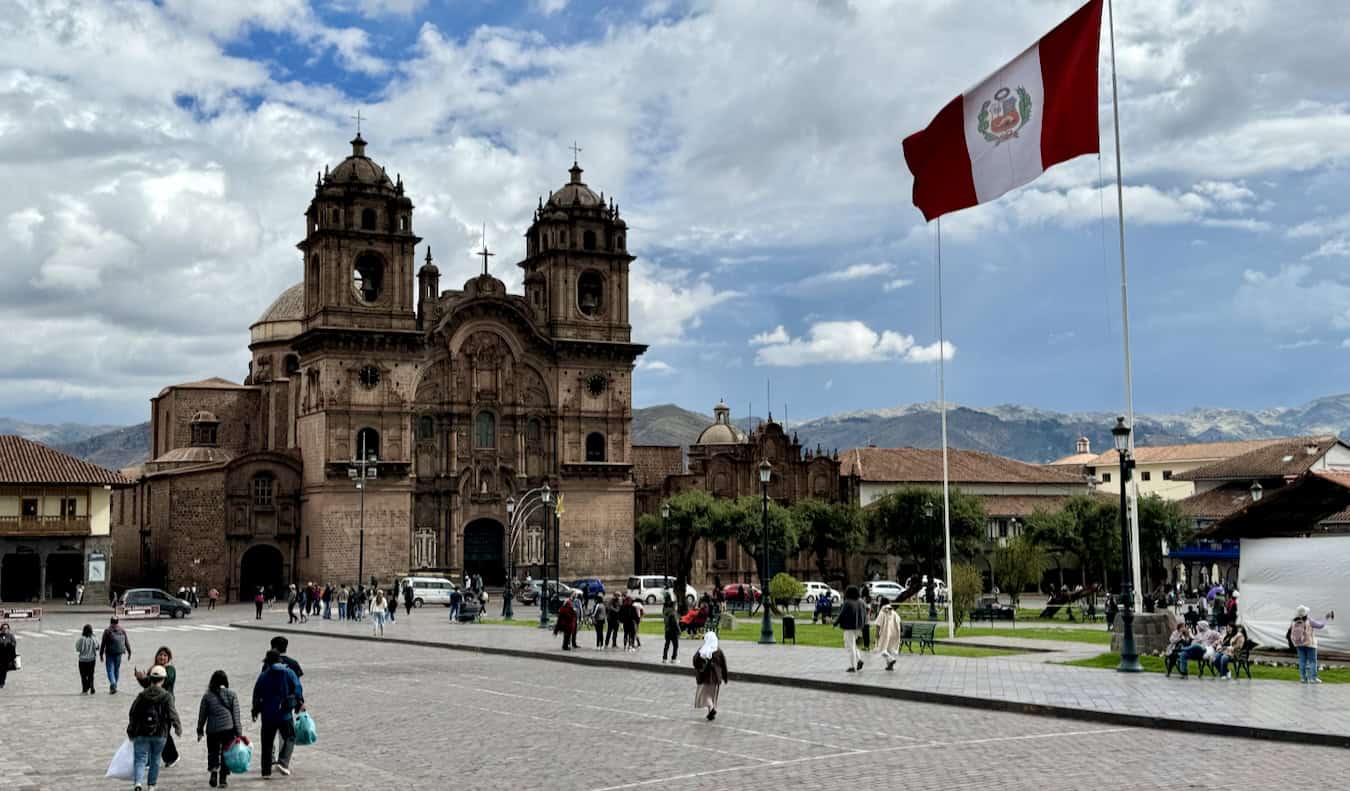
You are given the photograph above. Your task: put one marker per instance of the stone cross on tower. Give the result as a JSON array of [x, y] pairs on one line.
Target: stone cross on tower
[[576, 150], [484, 252], [358, 119]]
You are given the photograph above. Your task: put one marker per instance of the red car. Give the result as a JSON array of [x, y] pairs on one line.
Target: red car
[[732, 592]]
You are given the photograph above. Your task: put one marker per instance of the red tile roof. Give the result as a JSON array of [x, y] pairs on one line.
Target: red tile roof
[[1286, 458], [1217, 503], [25, 461], [924, 465], [1196, 451]]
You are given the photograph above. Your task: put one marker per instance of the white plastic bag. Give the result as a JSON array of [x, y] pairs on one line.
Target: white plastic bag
[[123, 763]]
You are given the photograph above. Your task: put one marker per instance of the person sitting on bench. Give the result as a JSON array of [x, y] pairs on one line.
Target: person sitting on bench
[[1176, 643]]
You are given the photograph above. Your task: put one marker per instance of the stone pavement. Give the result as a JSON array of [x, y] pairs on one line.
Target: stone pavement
[[1261, 709], [397, 716]]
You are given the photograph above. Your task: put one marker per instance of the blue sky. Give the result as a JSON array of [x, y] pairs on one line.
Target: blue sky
[[167, 150]]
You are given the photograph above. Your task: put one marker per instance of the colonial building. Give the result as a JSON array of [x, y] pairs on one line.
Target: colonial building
[[1157, 467], [724, 462], [457, 400], [54, 523]]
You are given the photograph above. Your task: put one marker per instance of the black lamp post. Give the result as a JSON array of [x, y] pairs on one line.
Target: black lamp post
[[507, 613], [928, 589], [362, 469], [765, 627], [1129, 655], [665, 544], [546, 496]]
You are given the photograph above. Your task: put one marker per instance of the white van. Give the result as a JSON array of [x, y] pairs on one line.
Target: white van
[[817, 590], [651, 589], [429, 590]]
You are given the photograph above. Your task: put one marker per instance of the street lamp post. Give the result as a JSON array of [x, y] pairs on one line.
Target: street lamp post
[[928, 589], [362, 469], [546, 497], [765, 627], [665, 543], [1129, 655], [507, 614]]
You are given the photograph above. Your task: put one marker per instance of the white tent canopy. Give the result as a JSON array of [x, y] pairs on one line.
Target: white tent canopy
[[1278, 574]]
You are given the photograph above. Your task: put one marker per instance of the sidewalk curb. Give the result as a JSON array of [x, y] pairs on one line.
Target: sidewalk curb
[[917, 696]]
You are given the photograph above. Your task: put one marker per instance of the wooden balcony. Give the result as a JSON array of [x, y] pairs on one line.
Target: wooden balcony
[[44, 525]]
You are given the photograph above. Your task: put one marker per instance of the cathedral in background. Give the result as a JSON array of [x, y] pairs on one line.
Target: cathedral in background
[[459, 401]]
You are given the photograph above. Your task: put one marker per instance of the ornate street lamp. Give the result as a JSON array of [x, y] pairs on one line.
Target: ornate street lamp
[[665, 543], [507, 613], [366, 467], [546, 497], [1129, 656], [765, 627], [928, 589]]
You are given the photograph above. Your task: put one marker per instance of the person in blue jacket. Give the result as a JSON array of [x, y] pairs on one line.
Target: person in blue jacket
[[277, 696]]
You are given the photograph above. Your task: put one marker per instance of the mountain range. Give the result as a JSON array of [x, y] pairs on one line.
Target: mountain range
[[1019, 432]]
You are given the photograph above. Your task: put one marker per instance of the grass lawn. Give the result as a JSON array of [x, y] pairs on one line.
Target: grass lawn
[[1154, 664], [747, 629], [1096, 636]]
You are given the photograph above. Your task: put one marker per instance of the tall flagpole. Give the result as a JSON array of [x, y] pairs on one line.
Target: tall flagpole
[[1133, 493], [942, 409]]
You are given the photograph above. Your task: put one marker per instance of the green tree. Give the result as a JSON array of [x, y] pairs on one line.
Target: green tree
[[1160, 521], [742, 519], [694, 516], [966, 584], [823, 526], [1085, 527], [908, 523], [1016, 565], [785, 588]]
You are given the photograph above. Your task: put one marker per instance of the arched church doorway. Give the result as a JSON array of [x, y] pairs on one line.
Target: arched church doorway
[[262, 566], [484, 540]]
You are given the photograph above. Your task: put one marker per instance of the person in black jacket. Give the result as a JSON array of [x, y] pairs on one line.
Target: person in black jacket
[[280, 644], [852, 619]]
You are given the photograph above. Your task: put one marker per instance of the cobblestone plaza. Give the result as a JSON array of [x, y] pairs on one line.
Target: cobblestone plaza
[[405, 716]]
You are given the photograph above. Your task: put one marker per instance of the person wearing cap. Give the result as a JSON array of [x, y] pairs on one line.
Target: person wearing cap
[[151, 716], [114, 645], [277, 695], [1302, 637]]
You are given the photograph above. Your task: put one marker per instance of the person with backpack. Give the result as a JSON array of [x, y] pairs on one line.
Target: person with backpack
[[1301, 635], [597, 618], [164, 659], [218, 720], [114, 645], [87, 649], [151, 716], [277, 697], [671, 624], [852, 619]]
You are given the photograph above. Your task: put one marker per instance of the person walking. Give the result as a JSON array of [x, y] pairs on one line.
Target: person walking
[[456, 601], [391, 602], [87, 649], [852, 619], [888, 633], [597, 617], [408, 597], [378, 607], [280, 645], [277, 696], [164, 659], [566, 624], [149, 721], [612, 621], [9, 651], [710, 673], [1301, 635], [259, 599], [211, 596], [292, 598], [328, 602], [628, 618], [671, 623], [111, 649], [578, 608], [218, 720], [342, 597]]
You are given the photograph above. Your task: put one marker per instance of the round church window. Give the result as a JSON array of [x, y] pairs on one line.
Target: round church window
[[596, 384]]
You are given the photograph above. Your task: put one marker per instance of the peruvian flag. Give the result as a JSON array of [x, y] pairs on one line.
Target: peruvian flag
[[1036, 111]]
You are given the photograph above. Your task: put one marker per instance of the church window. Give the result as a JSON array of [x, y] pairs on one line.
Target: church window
[[426, 427], [590, 293], [368, 276], [368, 442], [367, 219], [369, 376], [720, 550], [292, 365], [534, 430], [595, 446], [485, 430], [588, 240], [403, 222], [262, 490], [203, 434], [596, 384], [618, 242]]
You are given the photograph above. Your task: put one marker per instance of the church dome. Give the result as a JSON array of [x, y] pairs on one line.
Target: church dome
[[575, 193], [359, 169], [193, 455], [721, 432], [289, 306]]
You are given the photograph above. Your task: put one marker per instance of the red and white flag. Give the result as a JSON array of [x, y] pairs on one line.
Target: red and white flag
[[1036, 111]]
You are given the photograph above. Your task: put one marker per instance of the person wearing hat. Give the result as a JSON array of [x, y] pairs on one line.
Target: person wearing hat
[[114, 645], [148, 723], [1301, 636]]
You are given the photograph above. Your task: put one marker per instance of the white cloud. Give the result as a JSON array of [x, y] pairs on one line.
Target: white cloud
[[654, 366], [665, 302], [1303, 344], [829, 383], [846, 342], [898, 283], [1293, 300], [775, 336], [1332, 248], [550, 7]]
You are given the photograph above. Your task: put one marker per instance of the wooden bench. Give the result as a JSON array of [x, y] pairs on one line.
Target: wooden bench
[[923, 632]]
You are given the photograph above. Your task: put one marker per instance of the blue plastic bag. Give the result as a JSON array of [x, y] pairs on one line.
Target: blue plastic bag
[[305, 732], [238, 756]]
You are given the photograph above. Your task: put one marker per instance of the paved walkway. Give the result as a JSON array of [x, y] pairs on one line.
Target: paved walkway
[[1260, 709]]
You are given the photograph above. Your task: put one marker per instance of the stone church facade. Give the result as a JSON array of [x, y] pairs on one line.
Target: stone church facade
[[459, 399]]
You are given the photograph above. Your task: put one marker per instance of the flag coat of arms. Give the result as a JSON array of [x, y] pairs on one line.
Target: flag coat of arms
[[1036, 111]]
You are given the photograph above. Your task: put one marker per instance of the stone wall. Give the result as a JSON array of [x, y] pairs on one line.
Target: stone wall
[[597, 530], [332, 522]]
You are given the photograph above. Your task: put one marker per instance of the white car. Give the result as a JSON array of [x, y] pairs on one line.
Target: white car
[[890, 589], [816, 590], [652, 588]]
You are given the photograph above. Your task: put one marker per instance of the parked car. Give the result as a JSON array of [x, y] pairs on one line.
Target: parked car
[[429, 590], [939, 590], [171, 606], [590, 586], [651, 589], [887, 588], [814, 590], [530, 593], [731, 592]]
